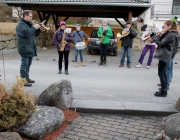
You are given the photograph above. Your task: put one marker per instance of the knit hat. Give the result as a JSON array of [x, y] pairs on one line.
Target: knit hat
[[105, 21], [77, 25], [128, 22], [150, 24], [62, 23]]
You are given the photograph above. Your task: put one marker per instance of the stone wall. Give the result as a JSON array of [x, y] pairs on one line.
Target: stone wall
[[8, 41]]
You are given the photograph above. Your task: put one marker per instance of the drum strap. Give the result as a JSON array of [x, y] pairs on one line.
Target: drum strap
[[79, 35]]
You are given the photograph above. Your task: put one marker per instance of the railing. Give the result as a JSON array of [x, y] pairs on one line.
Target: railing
[[159, 10]]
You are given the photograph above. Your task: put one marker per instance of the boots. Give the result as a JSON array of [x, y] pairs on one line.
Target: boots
[[27, 84], [104, 63], [59, 71], [100, 63], [82, 64], [66, 72], [161, 93], [75, 64]]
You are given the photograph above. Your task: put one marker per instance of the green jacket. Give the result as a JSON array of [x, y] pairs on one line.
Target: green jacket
[[26, 38], [107, 36]]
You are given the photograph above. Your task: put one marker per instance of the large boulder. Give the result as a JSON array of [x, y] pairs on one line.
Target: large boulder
[[58, 94], [171, 125], [10, 136], [178, 104], [12, 44], [42, 122]]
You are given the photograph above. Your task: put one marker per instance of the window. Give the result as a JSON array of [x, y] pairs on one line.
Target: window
[[176, 7]]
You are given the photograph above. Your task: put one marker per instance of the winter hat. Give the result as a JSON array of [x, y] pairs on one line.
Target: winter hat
[[62, 23], [77, 25], [150, 24], [128, 22], [105, 21], [174, 19]]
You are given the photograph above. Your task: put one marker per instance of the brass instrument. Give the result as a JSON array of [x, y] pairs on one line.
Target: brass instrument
[[102, 37], [63, 42], [43, 28], [124, 34]]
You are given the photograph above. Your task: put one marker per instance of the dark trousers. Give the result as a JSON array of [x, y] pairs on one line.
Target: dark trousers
[[66, 59], [162, 74], [25, 67], [103, 51]]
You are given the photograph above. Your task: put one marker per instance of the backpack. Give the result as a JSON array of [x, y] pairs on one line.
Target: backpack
[[176, 45]]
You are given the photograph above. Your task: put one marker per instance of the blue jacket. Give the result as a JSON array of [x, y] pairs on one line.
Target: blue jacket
[[76, 36], [26, 38]]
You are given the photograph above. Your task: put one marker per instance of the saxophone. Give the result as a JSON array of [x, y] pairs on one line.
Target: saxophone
[[63, 43], [102, 37]]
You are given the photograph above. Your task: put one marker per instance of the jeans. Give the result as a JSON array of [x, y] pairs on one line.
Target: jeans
[[125, 49], [76, 54], [169, 72], [66, 59], [25, 67], [146, 48], [162, 74], [103, 51]]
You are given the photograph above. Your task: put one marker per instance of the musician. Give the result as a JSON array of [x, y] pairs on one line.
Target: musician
[[105, 33], [149, 45], [78, 37], [60, 37], [127, 44], [165, 52], [26, 41]]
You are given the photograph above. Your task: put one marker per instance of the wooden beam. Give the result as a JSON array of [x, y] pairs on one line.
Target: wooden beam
[[66, 18], [119, 22], [39, 15], [130, 16]]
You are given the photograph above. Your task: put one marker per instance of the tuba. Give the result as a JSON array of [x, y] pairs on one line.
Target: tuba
[[43, 28]]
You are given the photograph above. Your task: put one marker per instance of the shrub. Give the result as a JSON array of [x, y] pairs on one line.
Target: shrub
[[15, 105]]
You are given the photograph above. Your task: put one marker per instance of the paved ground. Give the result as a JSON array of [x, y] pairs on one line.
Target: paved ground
[[112, 127]]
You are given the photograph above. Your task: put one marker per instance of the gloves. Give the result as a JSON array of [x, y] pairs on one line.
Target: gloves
[[104, 33], [152, 34]]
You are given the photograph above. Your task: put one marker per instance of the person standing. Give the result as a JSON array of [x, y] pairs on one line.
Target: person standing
[[127, 45], [165, 52], [78, 37], [60, 39], [26, 41], [104, 33], [149, 45]]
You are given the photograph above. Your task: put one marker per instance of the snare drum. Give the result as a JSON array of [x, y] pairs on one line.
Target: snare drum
[[80, 45]]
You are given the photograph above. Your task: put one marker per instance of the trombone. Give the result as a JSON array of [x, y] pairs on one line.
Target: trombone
[[43, 28]]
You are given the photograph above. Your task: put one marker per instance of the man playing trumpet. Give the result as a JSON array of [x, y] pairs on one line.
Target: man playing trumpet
[[26, 40], [149, 45]]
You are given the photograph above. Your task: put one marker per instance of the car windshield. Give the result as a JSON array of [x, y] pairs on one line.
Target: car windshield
[[94, 34]]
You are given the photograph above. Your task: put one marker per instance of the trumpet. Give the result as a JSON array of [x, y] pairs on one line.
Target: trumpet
[[43, 28]]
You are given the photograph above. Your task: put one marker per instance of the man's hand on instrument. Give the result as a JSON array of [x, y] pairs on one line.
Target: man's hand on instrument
[[37, 26], [105, 32]]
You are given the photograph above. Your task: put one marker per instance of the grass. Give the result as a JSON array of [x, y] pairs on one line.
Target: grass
[[7, 28]]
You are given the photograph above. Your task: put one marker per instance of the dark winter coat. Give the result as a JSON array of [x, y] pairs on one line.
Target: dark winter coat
[[57, 39], [128, 40], [166, 45], [26, 38]]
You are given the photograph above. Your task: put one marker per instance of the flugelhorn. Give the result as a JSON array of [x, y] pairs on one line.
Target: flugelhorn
[[43, 27]]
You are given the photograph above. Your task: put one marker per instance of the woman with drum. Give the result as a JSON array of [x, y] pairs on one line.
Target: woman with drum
[[78, 38]]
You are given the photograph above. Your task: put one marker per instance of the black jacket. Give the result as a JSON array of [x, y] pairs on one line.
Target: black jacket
[[166, 42], [128, 40]]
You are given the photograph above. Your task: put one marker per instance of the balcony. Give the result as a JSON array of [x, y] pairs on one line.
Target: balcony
[[165, 10]]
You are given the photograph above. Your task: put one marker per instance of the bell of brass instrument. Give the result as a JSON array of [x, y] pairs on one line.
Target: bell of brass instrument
[[43, 28], [124, 34], [102, 37], [63, 42]]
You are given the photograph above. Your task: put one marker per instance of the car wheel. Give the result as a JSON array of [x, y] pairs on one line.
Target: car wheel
[[88, 52]]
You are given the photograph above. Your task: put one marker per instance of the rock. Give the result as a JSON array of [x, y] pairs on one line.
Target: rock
[[161, 136], [42, 122], [178, 104], [9, 136], [171, 126], [6, 37], [58, 94], [11, 45], [2, 45]]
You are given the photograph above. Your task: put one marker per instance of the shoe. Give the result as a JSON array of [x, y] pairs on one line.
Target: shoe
[[161, 88], [129, 67], [104, 63], [60, 71], [121, 65], [161, 94], [27, 84], [148, 67], [82, 64], [100, 63], [30, 81], [75, 64], [66, 72], [139, 66], [159, 85]]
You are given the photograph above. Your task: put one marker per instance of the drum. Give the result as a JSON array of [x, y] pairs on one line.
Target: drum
[[80, 45]]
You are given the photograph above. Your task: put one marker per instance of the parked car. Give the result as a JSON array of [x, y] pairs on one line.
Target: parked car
[[94, 43]]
